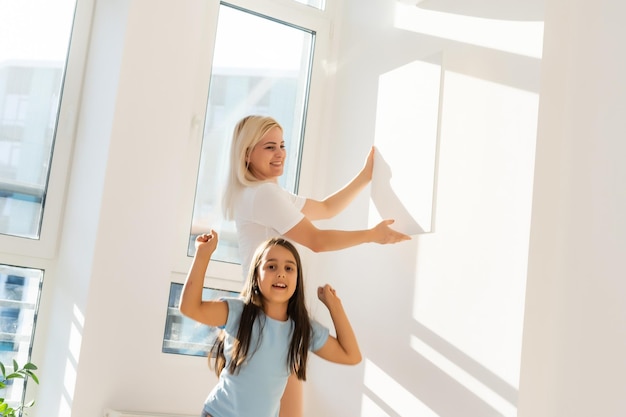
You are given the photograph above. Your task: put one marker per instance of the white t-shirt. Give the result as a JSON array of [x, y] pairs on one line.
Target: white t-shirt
[[262, 212]]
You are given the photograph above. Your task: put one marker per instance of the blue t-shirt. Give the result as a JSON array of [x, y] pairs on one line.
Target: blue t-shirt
[[256, 390]]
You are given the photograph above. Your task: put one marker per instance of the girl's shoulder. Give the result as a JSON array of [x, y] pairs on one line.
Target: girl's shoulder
[[236, 302], [319, 335], [235, 308]]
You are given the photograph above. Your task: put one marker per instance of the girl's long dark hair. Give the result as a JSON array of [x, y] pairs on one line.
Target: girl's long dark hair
[[253, 305]]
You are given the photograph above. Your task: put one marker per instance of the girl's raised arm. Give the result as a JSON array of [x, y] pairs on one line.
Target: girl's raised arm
[[212, 313], [343, 349]]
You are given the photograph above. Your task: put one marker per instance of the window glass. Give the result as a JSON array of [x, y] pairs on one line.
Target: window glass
[[184, 335], [20, 289], [34, 40], [260, 66]]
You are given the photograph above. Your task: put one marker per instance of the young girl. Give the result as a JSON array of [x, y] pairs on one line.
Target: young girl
[[262, 209], [267, 331]]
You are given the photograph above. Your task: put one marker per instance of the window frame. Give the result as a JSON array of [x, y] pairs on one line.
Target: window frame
[[223, 275], [12, 248], [174, 317], [41, 253]]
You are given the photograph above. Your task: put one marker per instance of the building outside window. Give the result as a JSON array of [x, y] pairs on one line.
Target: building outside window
[[34, 43], [20, 290]]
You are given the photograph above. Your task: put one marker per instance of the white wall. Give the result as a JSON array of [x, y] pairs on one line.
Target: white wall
[[103, 344], [574, 333], [439, 318]]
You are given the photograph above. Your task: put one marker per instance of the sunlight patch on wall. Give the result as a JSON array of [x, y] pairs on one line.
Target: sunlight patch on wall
[[76, 333], [69, 384], [479, 389], [476, 302], [388, 390], [69, 378], [370, 409], [65, 409], [407, 120], [516, 37]]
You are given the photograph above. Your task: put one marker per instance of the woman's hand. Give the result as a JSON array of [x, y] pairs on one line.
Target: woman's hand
[[383, 234]]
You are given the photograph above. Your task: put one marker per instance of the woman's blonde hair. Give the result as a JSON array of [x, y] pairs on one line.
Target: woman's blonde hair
[[247, 133]]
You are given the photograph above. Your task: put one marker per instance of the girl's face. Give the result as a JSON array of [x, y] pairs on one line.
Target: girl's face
[[277, 275], [267, 159]]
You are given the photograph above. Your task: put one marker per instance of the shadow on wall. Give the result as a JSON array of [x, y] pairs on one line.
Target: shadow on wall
[[522, 10], [388, 203], [406, 138], [411, 367], [458, 378], [407, 129]]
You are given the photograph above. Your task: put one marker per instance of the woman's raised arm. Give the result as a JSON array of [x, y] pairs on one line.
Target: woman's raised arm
[[338, 201]]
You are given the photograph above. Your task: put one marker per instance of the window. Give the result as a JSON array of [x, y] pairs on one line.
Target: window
[[184, 335], [318, 4], [261, 65], [20, 289], [34, 61], [34, 43]]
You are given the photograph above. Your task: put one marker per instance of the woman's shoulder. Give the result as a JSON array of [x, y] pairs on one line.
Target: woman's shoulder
[[260, 185], [269, 185], [249, 193], [264, 188]]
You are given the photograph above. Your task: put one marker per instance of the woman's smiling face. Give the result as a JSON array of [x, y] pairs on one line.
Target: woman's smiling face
[[266, 160]]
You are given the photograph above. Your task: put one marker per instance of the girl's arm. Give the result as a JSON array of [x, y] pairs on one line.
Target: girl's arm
[[212, 313], [337, 202], [344, 348]]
